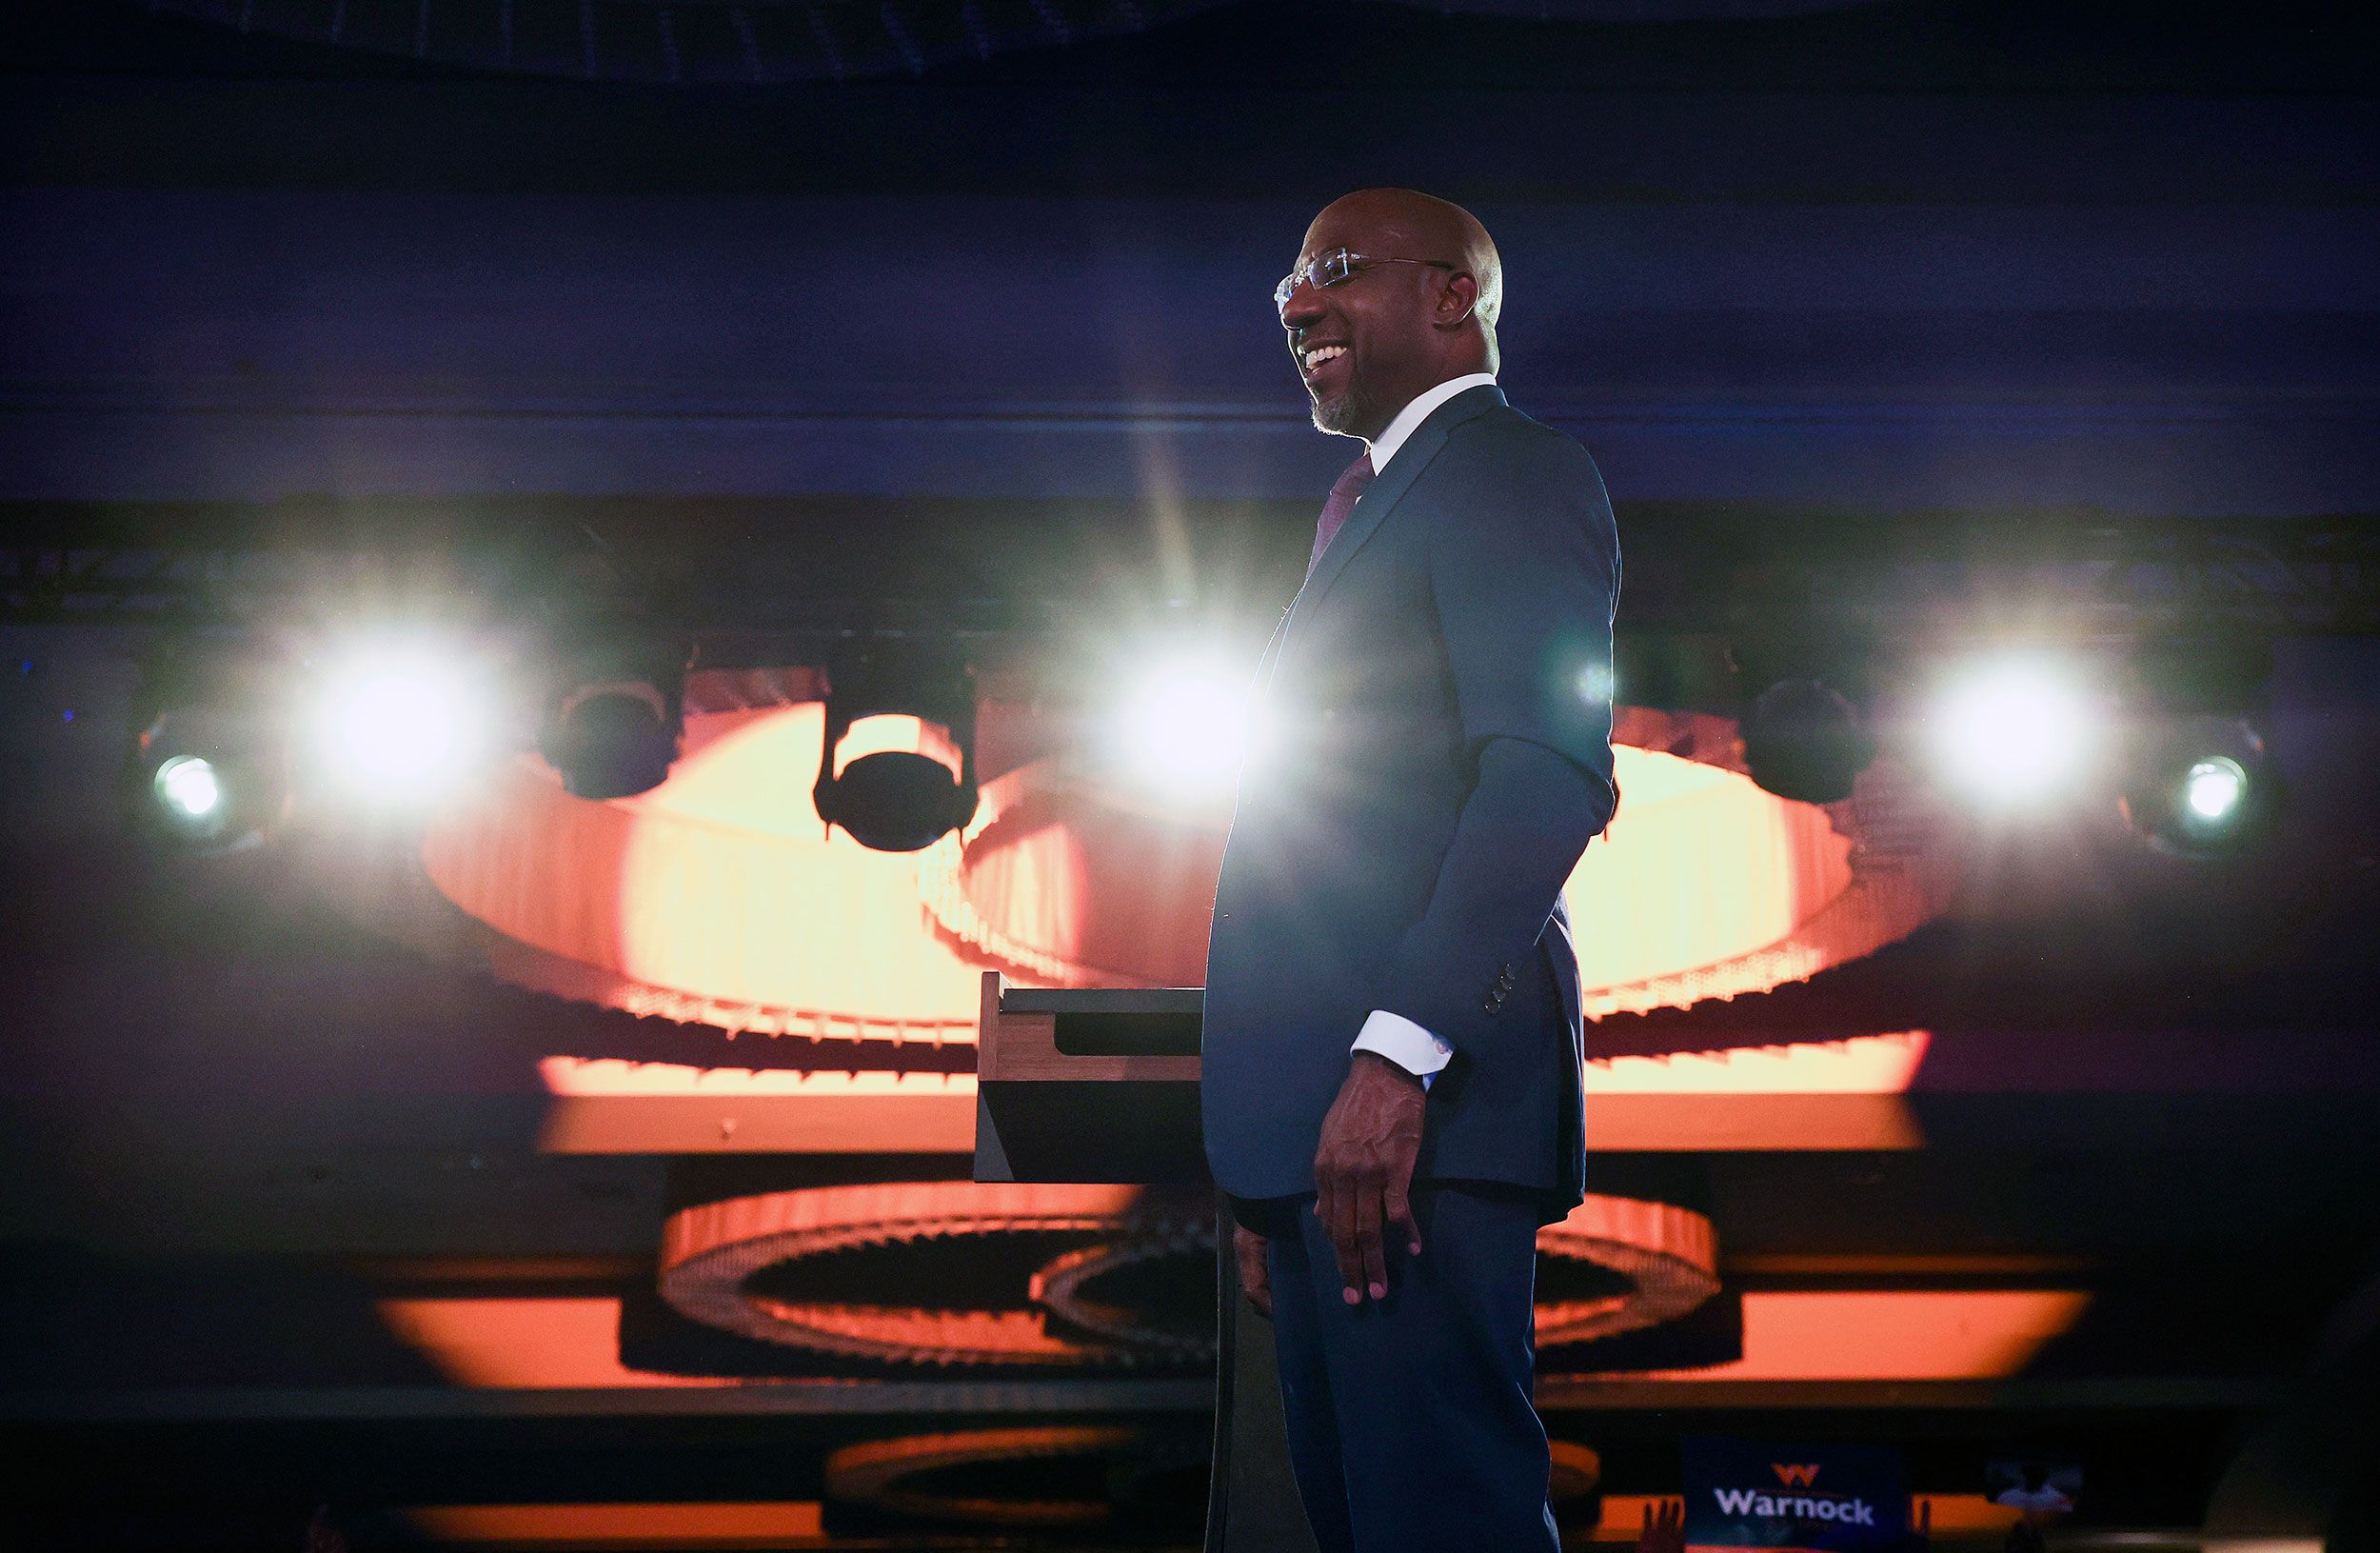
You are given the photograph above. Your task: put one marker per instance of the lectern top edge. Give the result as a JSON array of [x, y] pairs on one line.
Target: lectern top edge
[[1103, 999]]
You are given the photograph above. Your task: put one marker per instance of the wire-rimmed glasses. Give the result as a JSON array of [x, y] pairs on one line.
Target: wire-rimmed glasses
[[1332, 268]]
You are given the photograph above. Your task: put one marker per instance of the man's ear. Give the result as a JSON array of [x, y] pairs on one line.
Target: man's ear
[[1456, 299]]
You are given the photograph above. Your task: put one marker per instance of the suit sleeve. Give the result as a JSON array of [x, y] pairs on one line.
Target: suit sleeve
[[1524, 586]]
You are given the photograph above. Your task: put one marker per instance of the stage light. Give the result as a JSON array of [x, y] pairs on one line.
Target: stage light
[[2212, 789], [399, 723], [1182, 728], [206, 805], [2013, 730], [1804, 685], [897, 763], [2201, 785], [614, 729], [1806, 739], [208, 770], [190, 787], [2198, 780], [207, 801]]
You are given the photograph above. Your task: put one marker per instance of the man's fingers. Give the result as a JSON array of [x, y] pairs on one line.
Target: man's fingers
[[1349, 1249], [1255, 1279], [1400, 1218], [1368, 1244], [1338, 1222]]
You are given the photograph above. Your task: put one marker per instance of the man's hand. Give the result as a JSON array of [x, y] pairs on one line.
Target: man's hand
[[1363, 1170], [1256, 1280], [1664, 1528]]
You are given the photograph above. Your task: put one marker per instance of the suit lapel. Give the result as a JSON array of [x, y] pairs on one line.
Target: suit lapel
[[1389, 489], [1264, 665]]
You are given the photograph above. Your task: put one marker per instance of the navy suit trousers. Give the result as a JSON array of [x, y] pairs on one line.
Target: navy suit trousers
[[1411, 1428]]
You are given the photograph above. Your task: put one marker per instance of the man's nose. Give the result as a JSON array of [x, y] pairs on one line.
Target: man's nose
[[1303, 308]]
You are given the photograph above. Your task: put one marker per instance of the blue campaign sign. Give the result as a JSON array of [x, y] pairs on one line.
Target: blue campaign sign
[[1824, 1499]]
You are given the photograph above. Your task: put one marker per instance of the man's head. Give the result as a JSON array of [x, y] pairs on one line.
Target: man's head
[[1417, 308]]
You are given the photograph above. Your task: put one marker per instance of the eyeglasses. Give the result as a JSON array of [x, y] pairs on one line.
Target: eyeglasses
[[1332, 268]]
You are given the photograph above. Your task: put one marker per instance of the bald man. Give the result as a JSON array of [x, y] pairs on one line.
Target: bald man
[[1392, 1042]]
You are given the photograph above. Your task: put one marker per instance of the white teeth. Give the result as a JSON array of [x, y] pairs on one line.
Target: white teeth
[[1328, 353]]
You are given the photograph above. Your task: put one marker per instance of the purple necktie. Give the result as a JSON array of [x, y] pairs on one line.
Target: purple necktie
[[1343, 498]]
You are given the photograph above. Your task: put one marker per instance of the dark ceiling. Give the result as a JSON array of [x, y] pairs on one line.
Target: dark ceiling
[[1282, 96]]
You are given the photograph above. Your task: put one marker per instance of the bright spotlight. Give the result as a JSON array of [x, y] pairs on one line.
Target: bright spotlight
[[2202, 785], [188, 785], [2011, 732], [1182, 728], [2213, 787], [208, 770], [212, 802], [400, 724]]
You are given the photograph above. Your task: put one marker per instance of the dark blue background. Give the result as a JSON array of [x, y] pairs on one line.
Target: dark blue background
[[1898, 258]]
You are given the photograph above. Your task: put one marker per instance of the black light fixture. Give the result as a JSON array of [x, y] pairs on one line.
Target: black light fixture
[[1804, 738], [209, 766], [614, 724], [895, 799], [1805, 723]]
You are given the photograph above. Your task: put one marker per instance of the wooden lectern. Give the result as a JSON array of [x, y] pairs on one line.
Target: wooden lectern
[[1102, 1086]]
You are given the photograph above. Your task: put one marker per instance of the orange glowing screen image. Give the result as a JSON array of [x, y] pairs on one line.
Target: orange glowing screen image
[[1789, 1335], [1893, 1335], [724, 890], [510, 1343], [722, 881], [686, 1526]]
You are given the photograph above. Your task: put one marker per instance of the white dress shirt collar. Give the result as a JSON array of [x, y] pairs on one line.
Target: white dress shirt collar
[[1384, 445]]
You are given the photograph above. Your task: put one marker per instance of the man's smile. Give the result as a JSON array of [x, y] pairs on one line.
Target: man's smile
[[1313, 360]]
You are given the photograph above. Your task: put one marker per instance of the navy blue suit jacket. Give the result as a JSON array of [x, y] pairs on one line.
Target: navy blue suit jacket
[[1434, 753]]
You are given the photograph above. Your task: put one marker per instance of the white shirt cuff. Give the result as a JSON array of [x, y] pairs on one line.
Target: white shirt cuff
[[1405, 1042]]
